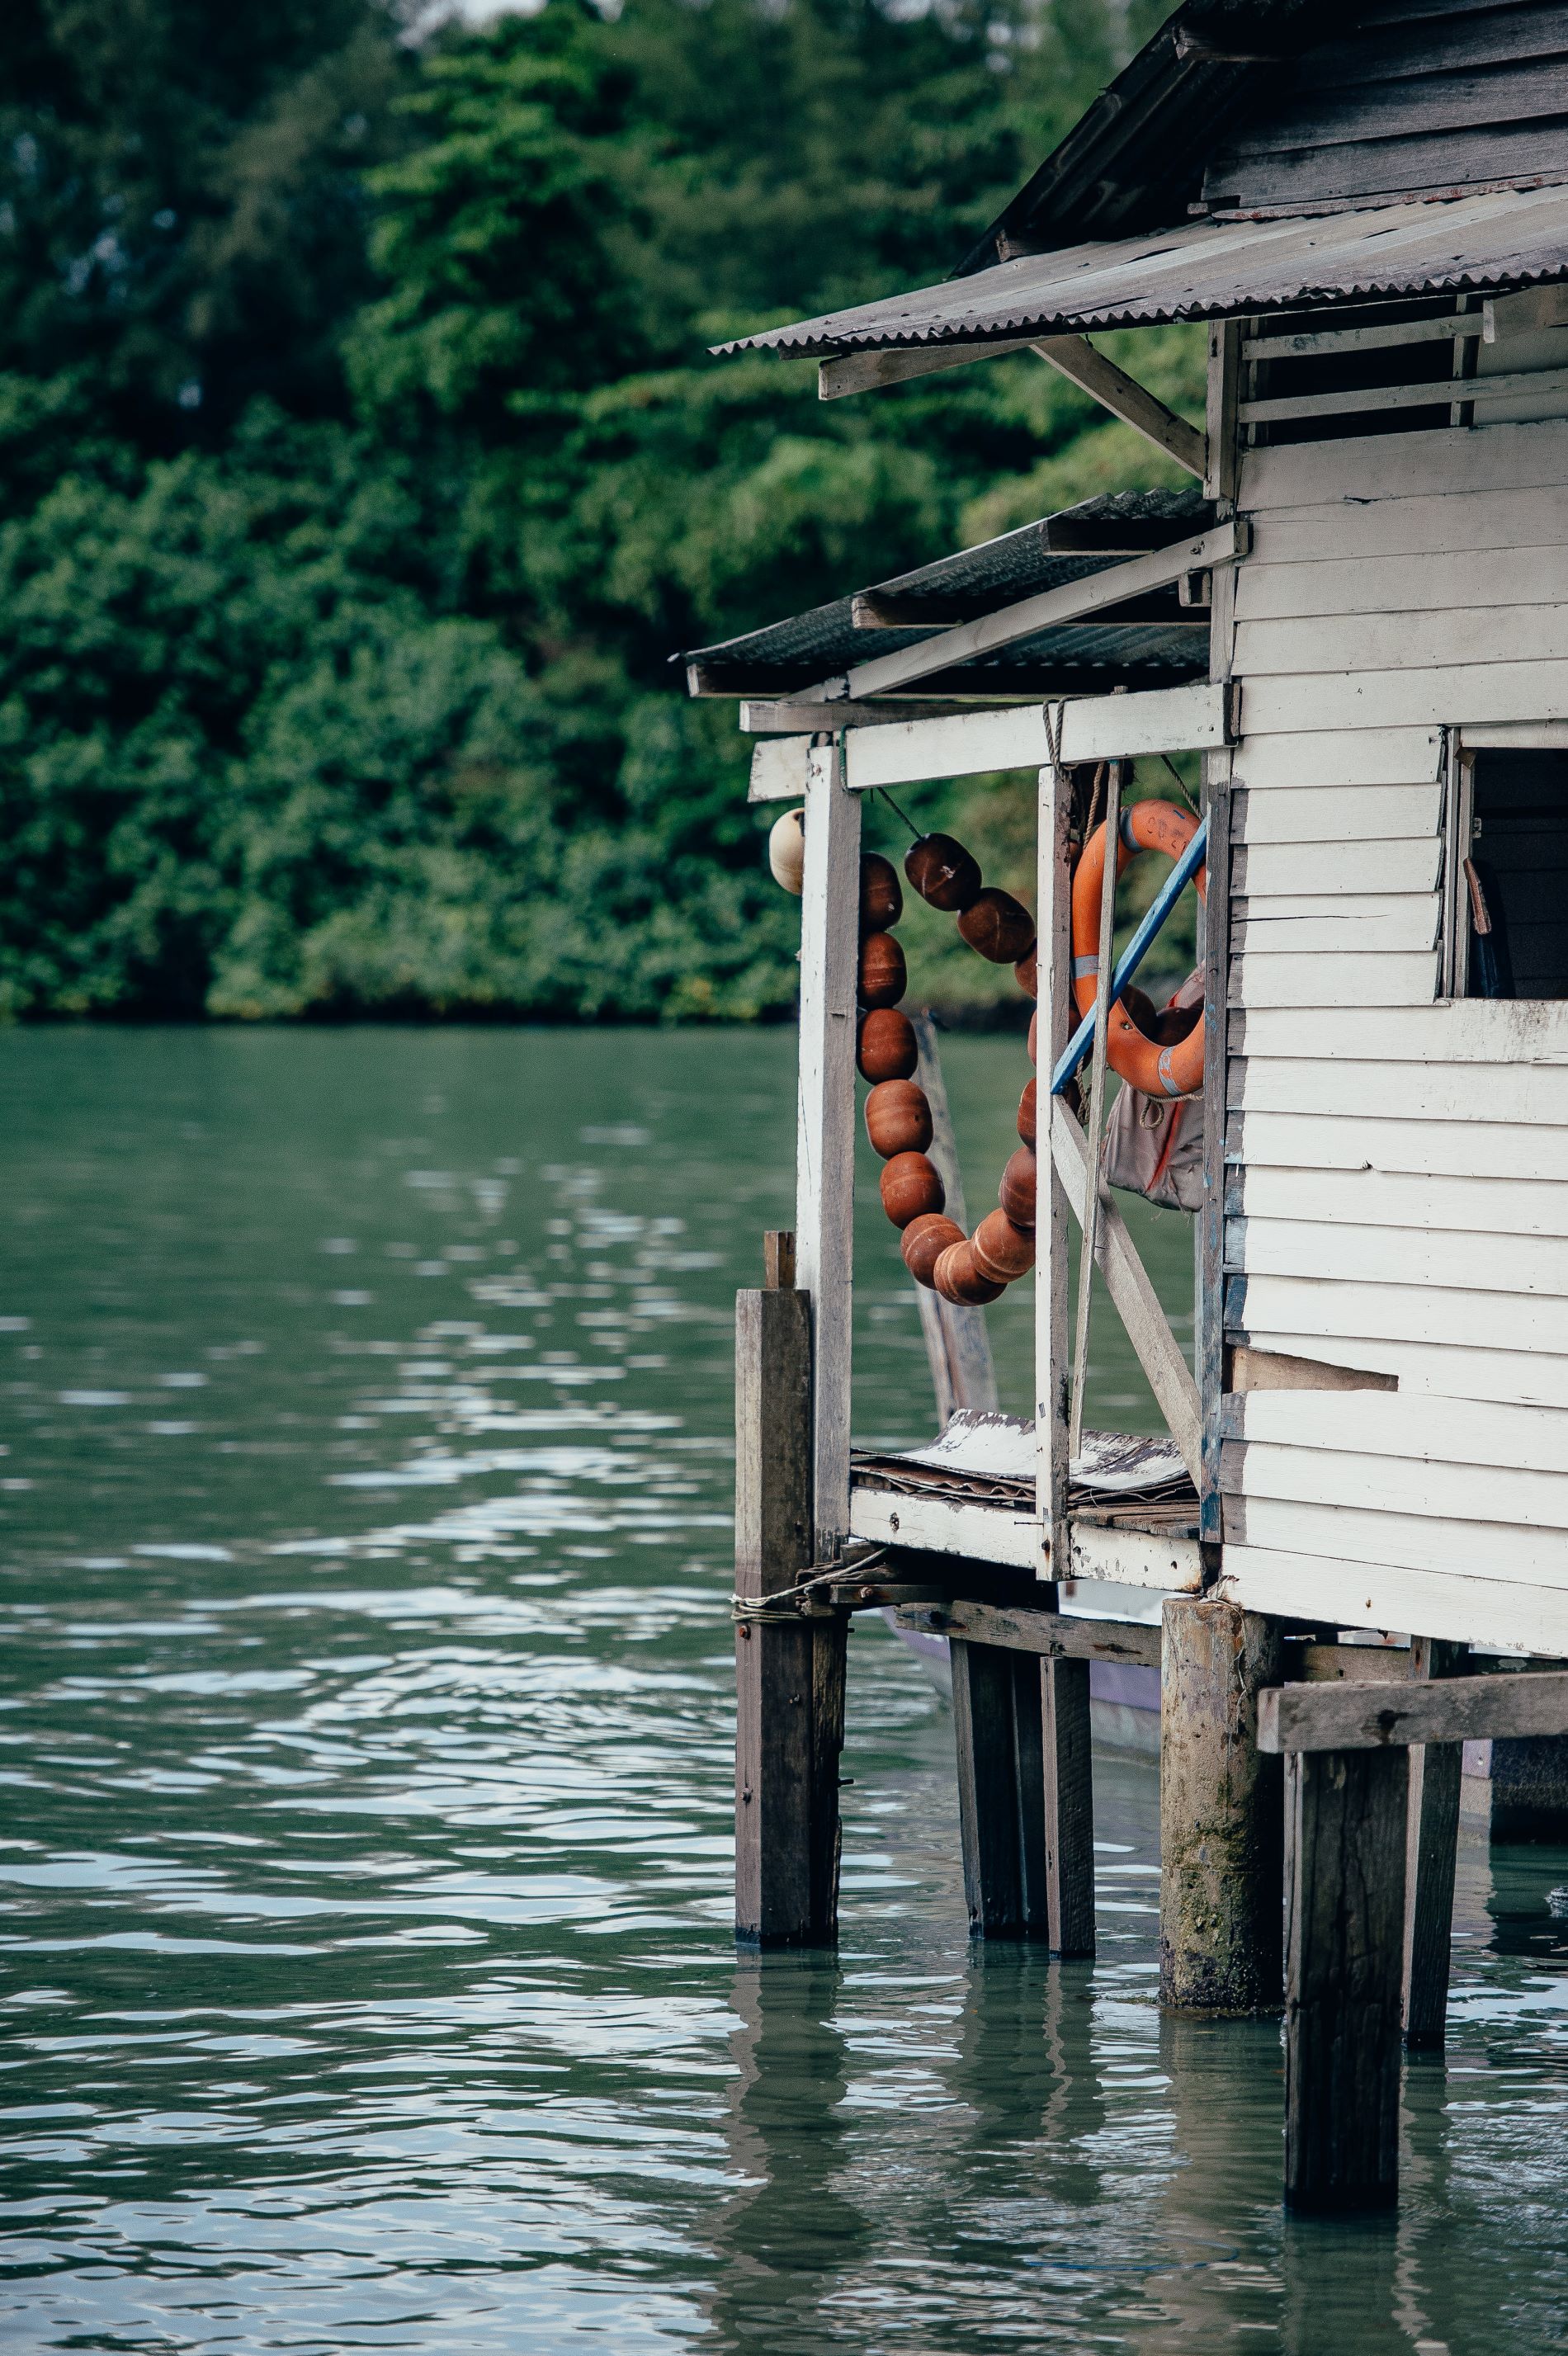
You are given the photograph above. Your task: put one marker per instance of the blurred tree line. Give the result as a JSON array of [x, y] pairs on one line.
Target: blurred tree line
[[361, 467]]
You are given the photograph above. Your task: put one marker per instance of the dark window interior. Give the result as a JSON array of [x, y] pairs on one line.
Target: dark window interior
[[1519, 851], [1344, 371]]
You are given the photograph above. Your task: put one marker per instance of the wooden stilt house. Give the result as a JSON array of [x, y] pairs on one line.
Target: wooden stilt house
[[1358, 617]]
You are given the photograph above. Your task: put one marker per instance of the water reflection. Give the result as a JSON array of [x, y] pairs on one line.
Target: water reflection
[[788, 2236]]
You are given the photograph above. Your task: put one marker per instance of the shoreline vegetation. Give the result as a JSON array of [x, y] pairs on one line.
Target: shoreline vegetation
[[361, 468]]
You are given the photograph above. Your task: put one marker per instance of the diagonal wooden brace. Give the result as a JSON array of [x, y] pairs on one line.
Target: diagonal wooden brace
[[1127, 1281]]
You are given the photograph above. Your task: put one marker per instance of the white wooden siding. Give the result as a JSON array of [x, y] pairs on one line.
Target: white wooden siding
[[1397, 1188]]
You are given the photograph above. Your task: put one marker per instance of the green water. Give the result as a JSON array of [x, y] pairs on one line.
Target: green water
[[365, 1953]]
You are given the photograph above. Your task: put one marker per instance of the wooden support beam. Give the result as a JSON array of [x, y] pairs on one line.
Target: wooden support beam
[[997, 1730], [1136, 1302], [1367, 1717], [790, 1679], [1346, 1840], [1518, 384], [829, 935], [1054, 964], [1069, 1806], [1075, 359], [1432, 1840], [1211, 1216], [966, 744], [1120, 775], [1071, 601], [794, 717], [1219, 1813], [1030, 1628], [870, 371], [1320, 341]]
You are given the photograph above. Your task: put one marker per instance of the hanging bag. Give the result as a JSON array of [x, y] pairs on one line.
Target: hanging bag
[[1154, 1146]]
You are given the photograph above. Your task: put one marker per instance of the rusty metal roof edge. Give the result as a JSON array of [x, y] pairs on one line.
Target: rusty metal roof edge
[[1208, 272], [1010, 328]]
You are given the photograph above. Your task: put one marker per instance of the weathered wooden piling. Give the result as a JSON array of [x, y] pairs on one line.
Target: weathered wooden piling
[[1069, 1808], [996, 1703], [789, 1672], [1432, 1846], [1220, 1819], [1344, 1947]]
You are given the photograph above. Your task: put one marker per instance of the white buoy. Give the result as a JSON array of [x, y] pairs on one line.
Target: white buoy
[[787, 851]]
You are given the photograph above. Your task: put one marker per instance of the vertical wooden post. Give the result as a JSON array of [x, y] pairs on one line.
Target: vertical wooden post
[[1220, 1823], [1210, 1348], [1221, 484], [789, 1674], [1067, 1789], [1343, 1944], [1056, 1018], [1069, 1808], [830, 936], [1432, 1846], [996, 1724], [1099, 1065]]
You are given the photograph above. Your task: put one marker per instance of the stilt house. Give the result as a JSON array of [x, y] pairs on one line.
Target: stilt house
[[1358, 616]]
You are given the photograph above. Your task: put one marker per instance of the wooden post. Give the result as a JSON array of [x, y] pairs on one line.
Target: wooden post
[[1347, 1842], [829, 935], [1431, 1854], [1053, 1031], [1220, 1828], [1069, 1808], [1098, 1068], [997, 1726], [789, 1674]]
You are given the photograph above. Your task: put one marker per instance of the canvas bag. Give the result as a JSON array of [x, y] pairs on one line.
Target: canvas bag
[[1154, 1147]]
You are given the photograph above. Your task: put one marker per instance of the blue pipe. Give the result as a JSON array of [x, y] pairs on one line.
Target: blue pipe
[[1132, 955]]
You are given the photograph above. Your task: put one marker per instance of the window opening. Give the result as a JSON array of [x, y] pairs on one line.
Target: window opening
[[1507, 896]]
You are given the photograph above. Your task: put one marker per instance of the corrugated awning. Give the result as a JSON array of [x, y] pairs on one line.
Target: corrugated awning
[[1215, 270], [1155, 648]]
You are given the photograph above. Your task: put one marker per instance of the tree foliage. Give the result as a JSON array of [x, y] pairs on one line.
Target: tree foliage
[[361, 468]]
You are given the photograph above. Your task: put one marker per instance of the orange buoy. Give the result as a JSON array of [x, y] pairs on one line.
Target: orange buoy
[[958, 1277], [883, 974], [897, 1119], [1026, 1113], [1173, 1070], [1016, 1191], [1000, 927], [923, 1243], [1026, 973], [1034, 1036], [881, 899], [1003, 1252], [911, 1187], [942, 871], [886, 1046]]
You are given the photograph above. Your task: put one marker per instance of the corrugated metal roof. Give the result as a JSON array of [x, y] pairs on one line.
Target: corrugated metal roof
[[1509, 237], [807, 648]]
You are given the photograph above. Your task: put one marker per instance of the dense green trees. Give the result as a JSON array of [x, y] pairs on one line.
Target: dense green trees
[[361, 468]]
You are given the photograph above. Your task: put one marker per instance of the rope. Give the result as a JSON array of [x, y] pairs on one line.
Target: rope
[[893, 805], [1053, 733], [1179, 786], [786, 1605]]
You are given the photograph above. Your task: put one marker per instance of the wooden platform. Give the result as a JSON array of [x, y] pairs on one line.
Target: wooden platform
[[1131, 1505]]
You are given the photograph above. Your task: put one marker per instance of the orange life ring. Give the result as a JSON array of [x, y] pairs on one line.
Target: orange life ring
[[1144, 1064]]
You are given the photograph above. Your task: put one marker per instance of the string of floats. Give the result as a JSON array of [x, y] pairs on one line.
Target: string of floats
[[974, 1270]]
